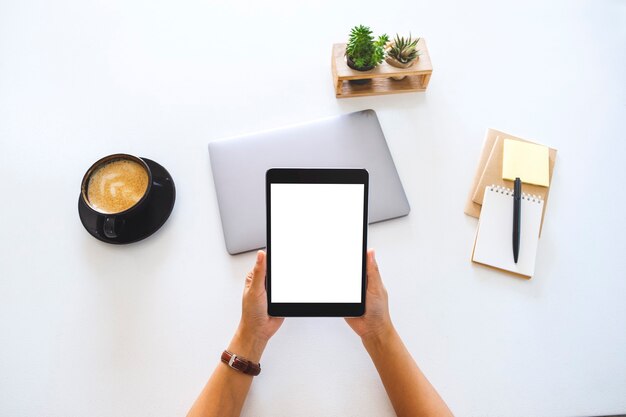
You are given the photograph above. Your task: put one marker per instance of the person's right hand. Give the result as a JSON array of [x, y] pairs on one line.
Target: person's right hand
[[376, 320]]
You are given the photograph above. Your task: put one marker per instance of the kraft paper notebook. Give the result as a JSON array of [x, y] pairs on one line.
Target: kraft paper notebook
[[493, 245], [489, 172]]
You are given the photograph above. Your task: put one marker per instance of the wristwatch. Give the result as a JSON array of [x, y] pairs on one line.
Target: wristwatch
[[241, 364]]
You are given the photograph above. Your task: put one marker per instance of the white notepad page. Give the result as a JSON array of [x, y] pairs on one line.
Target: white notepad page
[[494, 238]]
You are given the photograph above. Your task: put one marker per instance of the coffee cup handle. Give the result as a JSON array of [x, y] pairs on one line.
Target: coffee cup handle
[[109, 227]]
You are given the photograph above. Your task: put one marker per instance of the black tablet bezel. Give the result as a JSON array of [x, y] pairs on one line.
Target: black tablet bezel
[[315, 176]]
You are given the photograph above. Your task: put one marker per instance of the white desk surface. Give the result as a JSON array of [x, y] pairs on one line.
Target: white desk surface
[[92, 329]]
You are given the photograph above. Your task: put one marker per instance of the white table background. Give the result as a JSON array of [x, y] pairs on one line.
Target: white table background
[[93, 329]]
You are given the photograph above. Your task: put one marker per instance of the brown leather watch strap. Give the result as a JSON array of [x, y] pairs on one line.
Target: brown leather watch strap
[[241, 364]]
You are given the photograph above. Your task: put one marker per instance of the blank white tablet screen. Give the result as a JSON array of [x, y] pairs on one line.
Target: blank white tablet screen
[[316, 243]]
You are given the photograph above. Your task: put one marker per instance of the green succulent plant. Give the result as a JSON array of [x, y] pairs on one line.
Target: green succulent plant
[[403, 49], [363, 50]]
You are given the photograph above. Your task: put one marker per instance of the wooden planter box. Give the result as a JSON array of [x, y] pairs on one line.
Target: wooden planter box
[[417, 76]]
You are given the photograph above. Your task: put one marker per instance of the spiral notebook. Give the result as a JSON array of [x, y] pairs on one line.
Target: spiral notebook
[[494, 239]]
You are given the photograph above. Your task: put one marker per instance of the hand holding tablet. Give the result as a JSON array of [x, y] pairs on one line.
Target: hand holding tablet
[[316, 241], [409, 391]]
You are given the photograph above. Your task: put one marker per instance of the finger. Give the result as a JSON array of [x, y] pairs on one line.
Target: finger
[[248, 279], [258, 272], [374, 281]]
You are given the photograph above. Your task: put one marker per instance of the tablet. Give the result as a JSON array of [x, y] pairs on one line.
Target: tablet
[[316, 241]]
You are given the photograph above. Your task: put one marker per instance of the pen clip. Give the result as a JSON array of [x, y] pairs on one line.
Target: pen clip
[[517, 189]]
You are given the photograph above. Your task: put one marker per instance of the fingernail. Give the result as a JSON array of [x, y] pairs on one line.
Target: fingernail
[[259, 255]]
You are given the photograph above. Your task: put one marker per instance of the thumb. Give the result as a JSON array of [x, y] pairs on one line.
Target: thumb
[[258, 272], [374, 281]]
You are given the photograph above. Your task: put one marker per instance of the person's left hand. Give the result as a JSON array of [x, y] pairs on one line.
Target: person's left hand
[[256, 326]]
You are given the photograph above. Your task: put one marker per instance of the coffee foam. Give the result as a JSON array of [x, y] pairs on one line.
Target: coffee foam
[[117, 186]]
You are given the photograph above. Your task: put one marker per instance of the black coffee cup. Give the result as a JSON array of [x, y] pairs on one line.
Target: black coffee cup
[[129, 199]]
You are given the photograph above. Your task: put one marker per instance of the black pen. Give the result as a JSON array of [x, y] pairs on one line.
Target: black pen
[[517, 216]]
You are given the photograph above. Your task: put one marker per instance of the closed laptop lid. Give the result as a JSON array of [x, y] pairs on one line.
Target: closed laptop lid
[[353, 140]]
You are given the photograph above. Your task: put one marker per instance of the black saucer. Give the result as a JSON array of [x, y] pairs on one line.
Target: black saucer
[[142, 223]]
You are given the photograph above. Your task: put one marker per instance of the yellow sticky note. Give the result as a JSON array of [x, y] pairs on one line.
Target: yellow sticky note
[[528, 161]]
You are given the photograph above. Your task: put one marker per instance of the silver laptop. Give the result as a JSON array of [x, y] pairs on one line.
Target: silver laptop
[[353, 140]]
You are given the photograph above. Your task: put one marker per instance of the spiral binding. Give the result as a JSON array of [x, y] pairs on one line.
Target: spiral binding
[[507, 191]]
